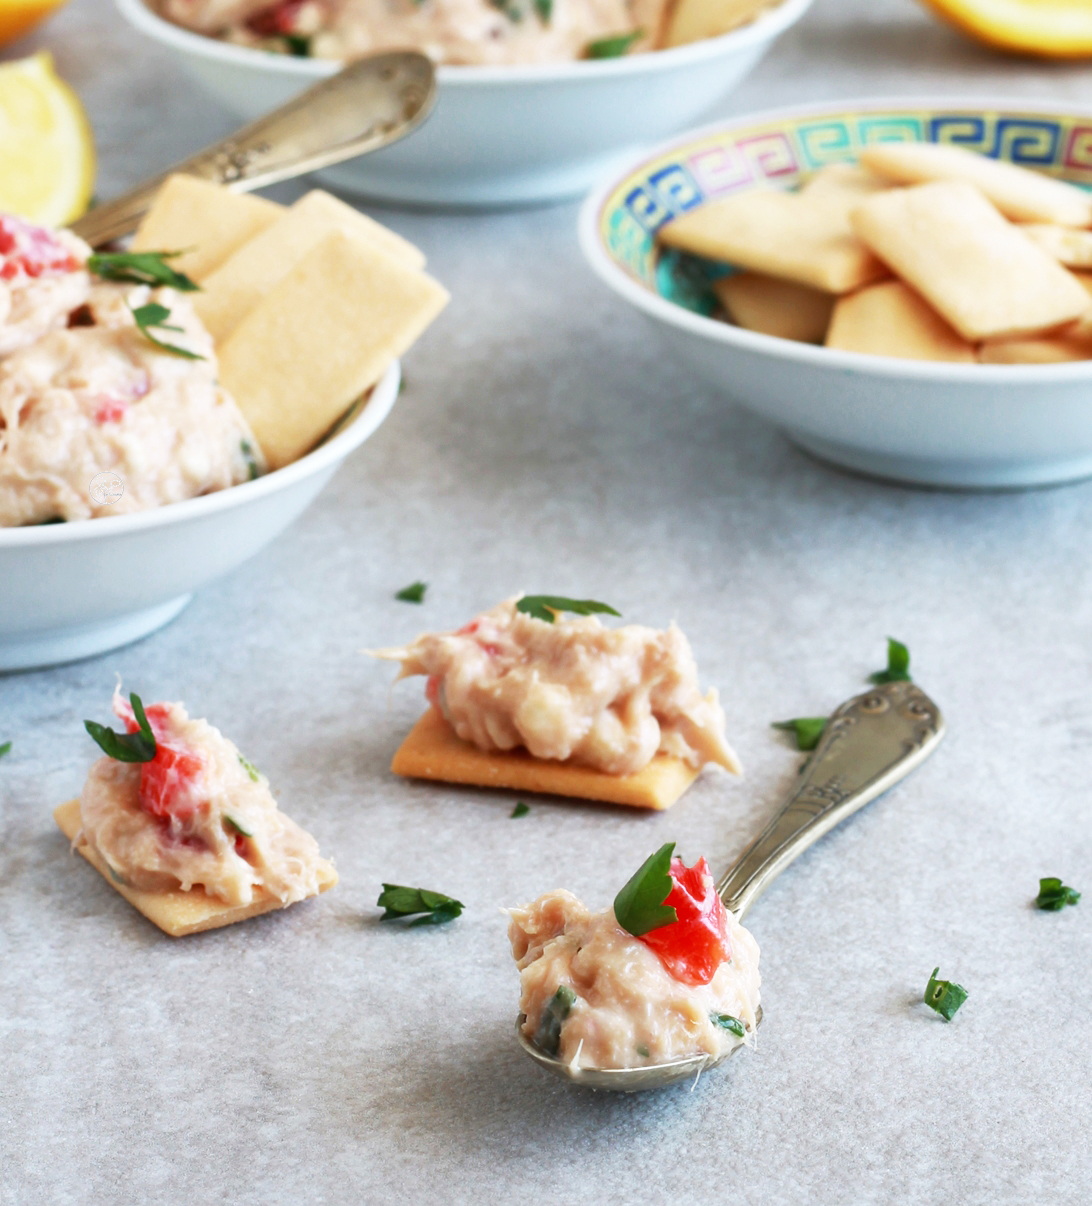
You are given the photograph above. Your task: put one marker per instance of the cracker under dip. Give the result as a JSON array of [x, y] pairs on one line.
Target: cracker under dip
[[525, 698], [890, 319]]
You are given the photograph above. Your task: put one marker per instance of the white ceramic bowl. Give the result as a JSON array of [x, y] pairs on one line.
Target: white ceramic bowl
[[951, 425], [498, 135], [76, 589]]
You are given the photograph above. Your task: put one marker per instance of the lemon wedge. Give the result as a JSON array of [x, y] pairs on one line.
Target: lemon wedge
[[47, 150], [17, 17], [1054, 28]]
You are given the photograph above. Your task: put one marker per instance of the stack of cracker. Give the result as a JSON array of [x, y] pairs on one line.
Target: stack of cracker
[[308, 305], [921, 251]]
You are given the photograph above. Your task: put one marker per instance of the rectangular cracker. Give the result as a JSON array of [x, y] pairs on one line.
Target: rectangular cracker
[[772, 307], [1070, 247], [1059, 349], [890, 319], [432, 751], [980, 272], [204, 220], [322, 336], [240, 283], [793, 236], [693, 20], [1020, 194], [176, 913], [848, 180]]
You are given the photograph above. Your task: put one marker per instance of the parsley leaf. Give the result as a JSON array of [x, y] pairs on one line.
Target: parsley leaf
[[543, 607], [726, 1022], [520, 810], [414, 593], [126, 747], [250, 769], [404, 902], [898, 664], [639, 907], [613, 48], [236, 826], [298, 45], [5, 748], [1054, 895], [944, 996], [548, 1034], [642, 1050], [253, 471], [545, 10], [808, 730], [510, 8], [142, 268], [153, 315]]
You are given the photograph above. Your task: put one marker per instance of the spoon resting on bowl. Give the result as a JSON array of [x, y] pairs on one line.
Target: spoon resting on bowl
[[869, 744]]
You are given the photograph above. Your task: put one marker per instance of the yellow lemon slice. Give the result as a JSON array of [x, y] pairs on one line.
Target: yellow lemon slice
[[1055, 28], [19, 16], [47, 150]]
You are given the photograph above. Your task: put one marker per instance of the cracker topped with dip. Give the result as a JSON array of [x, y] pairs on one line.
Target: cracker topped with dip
[[532, 697]]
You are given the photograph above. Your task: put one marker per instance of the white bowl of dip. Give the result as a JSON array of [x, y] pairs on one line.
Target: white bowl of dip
[[962, 426], [72, 590], [503, 135]]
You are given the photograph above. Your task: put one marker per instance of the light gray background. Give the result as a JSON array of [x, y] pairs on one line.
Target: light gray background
[[544, 443]]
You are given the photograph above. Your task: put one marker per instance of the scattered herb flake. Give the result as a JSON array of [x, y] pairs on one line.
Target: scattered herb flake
[[126, 747], [236, 826], [405, 902], [1053, 894], [545, 10], [543, 607], [520, 810], [142, 268], [250, 769], [642, 1050], [639, 907], [898, 664], [298, 45], [726, 1022], [548, 1034], [153, 315], [5, 748], [510, 8], [808, 730], [252, 469], [414, 593], [613, 48], [944, 996]]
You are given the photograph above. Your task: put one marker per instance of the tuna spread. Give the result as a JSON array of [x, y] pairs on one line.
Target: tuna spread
[[597, 996], [196, 814], [84, 391], [572, 689]]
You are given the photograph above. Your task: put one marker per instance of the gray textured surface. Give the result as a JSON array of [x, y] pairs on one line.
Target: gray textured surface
[[544, 443]]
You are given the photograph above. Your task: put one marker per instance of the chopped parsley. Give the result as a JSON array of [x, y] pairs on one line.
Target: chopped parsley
[[898, 664], [142, 268], [250, 769], [944, 996], [546, 607], [639, 907], [154, 315], [252, 470], [642, 1050], [545, 10], [236, 826], [510, 8], [520, 810], [414, 593], [5, 748], [1054, 895], [613, 48], [808, 730], [298, 45], [548, 1034], [405, 902], [726, 1022], [126, 747]]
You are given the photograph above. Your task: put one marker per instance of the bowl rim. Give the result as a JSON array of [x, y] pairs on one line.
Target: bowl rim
[[764, 28], [326, 455], [773, 346]]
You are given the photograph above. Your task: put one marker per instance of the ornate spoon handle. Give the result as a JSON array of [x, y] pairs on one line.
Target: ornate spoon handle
[[869, 744], [371, 103]]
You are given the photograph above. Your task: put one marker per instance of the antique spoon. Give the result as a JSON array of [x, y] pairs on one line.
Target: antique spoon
[[868, 745], [369, 104]]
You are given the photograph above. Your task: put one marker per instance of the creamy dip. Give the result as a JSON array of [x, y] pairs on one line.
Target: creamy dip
[[42, 280], [83, 392], [197, 814], [623, 1009], [609, 698]]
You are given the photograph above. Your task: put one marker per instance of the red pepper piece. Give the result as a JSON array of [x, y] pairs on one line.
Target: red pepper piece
[[694, 946], [28, 250], [277, 20], [169, 783]]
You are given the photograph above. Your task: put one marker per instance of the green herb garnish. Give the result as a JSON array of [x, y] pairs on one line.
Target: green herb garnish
[[808, 730], [548, 1034], [544, 607], [642, 1050], [612, 48], [545, 10], [142, 268], [944, 996], [520, 810], [414, 593], [153, 315], [898, 664], [253, 472], [5, 748], [126, 747], [298, 45], [639, 907], [250, 769], [405, 902], [236, 826], [1054, 895], [510, 8], [726, 1022]]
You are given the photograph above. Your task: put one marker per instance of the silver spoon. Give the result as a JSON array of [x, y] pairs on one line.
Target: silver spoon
[[869, 744], [371, 103]]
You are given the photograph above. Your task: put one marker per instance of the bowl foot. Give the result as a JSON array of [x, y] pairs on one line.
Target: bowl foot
[[28, 650]]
